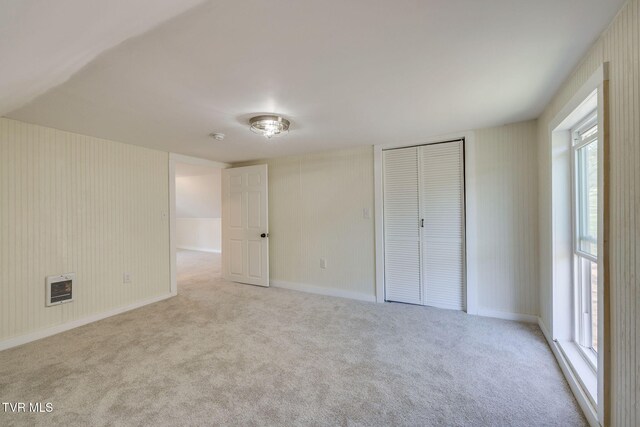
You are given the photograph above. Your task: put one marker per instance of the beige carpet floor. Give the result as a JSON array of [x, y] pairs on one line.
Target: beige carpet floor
[[228, 354]]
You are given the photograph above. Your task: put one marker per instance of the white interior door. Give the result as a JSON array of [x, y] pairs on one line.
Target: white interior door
[[245, 225], [424, 225], [401, 222], [442, 209]]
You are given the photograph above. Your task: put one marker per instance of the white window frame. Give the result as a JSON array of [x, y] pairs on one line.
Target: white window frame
[[582, 295], [591, 389]]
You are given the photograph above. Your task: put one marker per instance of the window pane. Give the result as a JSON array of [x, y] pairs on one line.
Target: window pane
[[587, 281], [594, 306], [587, 189]]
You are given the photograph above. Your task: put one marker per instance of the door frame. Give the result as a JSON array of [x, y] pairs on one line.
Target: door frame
[[470, 214], [175, 158]]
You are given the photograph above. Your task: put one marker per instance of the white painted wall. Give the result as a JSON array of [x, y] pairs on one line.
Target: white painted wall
[[507, 217], [198, 211], [199, 196], [199, 234], [73, 203], [620, 46], [316, 207]]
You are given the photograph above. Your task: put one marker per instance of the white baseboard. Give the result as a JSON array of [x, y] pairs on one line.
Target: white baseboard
[[199, 249], [589, 411], [320, 290], [33, 336], [529, 318], [544, 330]]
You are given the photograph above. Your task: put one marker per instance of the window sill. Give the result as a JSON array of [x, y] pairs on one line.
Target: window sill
[[590, 356], [582, 369]]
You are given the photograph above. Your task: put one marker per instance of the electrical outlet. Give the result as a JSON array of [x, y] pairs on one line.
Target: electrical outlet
[[366, 213], [164, 215], [127, 277], [323, 263]]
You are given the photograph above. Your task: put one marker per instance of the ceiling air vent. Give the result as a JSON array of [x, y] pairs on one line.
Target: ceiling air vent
[[59, 289]]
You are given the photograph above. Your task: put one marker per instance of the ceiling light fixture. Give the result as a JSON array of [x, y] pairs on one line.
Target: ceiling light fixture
[[269, 125], [217, 136]]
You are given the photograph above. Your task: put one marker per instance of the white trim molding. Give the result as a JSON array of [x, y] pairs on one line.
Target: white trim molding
[[594, 82], [34, 336], [320, 290], [471, 254], [199, 249], [518, 317], [574, 384]]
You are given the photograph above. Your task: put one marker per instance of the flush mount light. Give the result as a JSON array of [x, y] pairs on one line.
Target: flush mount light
[[217, 136], [269, 125]]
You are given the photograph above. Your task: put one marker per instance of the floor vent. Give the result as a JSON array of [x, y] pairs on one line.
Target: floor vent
[[59, 289]]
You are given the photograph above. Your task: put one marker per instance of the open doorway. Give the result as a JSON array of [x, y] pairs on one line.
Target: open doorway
[[196, 216]]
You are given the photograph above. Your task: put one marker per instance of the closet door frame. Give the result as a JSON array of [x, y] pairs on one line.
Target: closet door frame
[[470, 224]]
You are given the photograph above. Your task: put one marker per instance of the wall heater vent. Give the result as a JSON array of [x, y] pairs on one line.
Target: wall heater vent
[[59, 289]]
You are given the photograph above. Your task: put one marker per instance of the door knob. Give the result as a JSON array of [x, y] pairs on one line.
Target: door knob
[[263, 235]]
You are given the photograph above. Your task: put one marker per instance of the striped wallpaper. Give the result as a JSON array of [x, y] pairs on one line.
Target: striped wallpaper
[[507, 192], [620, 46], [73, 203], [316, 204]]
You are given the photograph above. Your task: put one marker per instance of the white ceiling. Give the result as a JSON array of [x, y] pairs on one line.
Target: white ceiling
[[346, 73], [43, 43]]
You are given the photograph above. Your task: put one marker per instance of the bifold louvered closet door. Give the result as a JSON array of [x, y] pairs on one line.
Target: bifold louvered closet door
[[424, 225]]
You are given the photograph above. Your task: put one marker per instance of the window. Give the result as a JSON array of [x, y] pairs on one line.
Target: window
[[585, 234], [577, 230]]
